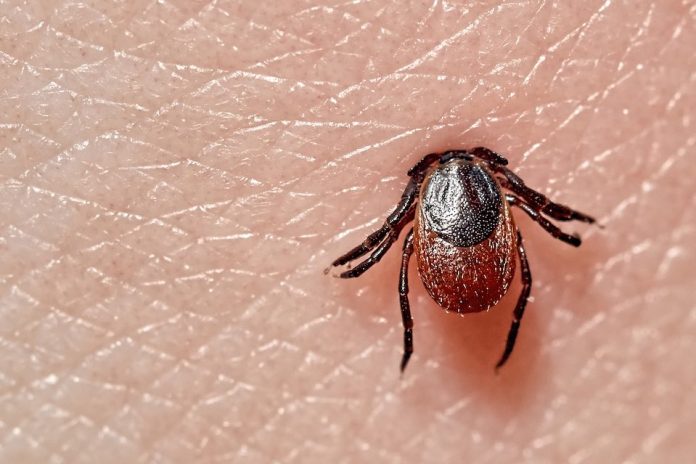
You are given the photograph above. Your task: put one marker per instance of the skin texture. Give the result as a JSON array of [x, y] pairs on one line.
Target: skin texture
[[176, 175]]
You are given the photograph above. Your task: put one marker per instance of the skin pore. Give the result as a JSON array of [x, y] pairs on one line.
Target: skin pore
[[176, 175]]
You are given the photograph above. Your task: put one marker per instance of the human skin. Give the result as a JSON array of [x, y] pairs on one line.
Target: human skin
[[175, 177]]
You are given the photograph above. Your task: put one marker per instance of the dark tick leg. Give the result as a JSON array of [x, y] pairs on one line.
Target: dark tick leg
[[455, 154], [403, 299], [538, 201], [417, 173], [489, 155], [420, 167], [375, 238], [381, 250], [543, 222], [521, 303]]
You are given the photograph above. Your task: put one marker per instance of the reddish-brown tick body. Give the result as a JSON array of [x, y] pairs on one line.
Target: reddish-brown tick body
[[466, 265], [464, 236]]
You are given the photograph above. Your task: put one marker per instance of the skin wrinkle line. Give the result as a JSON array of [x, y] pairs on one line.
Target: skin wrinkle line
[[615, 149], [360, 227], [420, 25], [72, 39], [465, 98], [193, 110], [677, 97], [281, 32], [291, 54], [307, 326], [152, 167], [346, 39], [670, 255], [577, 111], [205, 276], [524, 30], [538, 108], [34, 323], [398, 76], [302, 215], [229, 75], [291, 123], [36, 241], [504, 64], [215, 238], [62, 197], [679, 29], [381, 143], [105, 102], [532, 72], [293, 289], [473, 25]]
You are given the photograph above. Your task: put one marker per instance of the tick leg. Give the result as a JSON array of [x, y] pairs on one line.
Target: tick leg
[[417, 174], [573, 239], [538, 201], [478, 152], [403, 300], [419, 168], [381, 250], [521, 303], [455, 154], [489, 155], [375, 238]]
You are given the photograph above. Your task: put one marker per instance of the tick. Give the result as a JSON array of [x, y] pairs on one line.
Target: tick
[[463, 235]]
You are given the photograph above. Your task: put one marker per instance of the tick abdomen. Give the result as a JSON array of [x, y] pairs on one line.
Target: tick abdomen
[[464, 237]]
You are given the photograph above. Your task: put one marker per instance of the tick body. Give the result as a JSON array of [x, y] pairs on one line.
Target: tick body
[[463, 235]]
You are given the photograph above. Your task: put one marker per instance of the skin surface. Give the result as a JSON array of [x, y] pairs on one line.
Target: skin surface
[[176, 175]]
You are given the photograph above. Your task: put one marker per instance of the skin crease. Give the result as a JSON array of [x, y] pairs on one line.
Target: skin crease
[[176, 175]]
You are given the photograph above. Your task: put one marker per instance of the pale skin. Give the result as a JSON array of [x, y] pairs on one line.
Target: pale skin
[[175, 177]]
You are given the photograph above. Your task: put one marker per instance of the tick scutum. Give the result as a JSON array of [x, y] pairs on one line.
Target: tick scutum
[[461, 203]]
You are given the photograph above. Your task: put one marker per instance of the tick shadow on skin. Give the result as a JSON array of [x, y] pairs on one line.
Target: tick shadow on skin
[[461, 351], [473, 343], [465, 348]]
